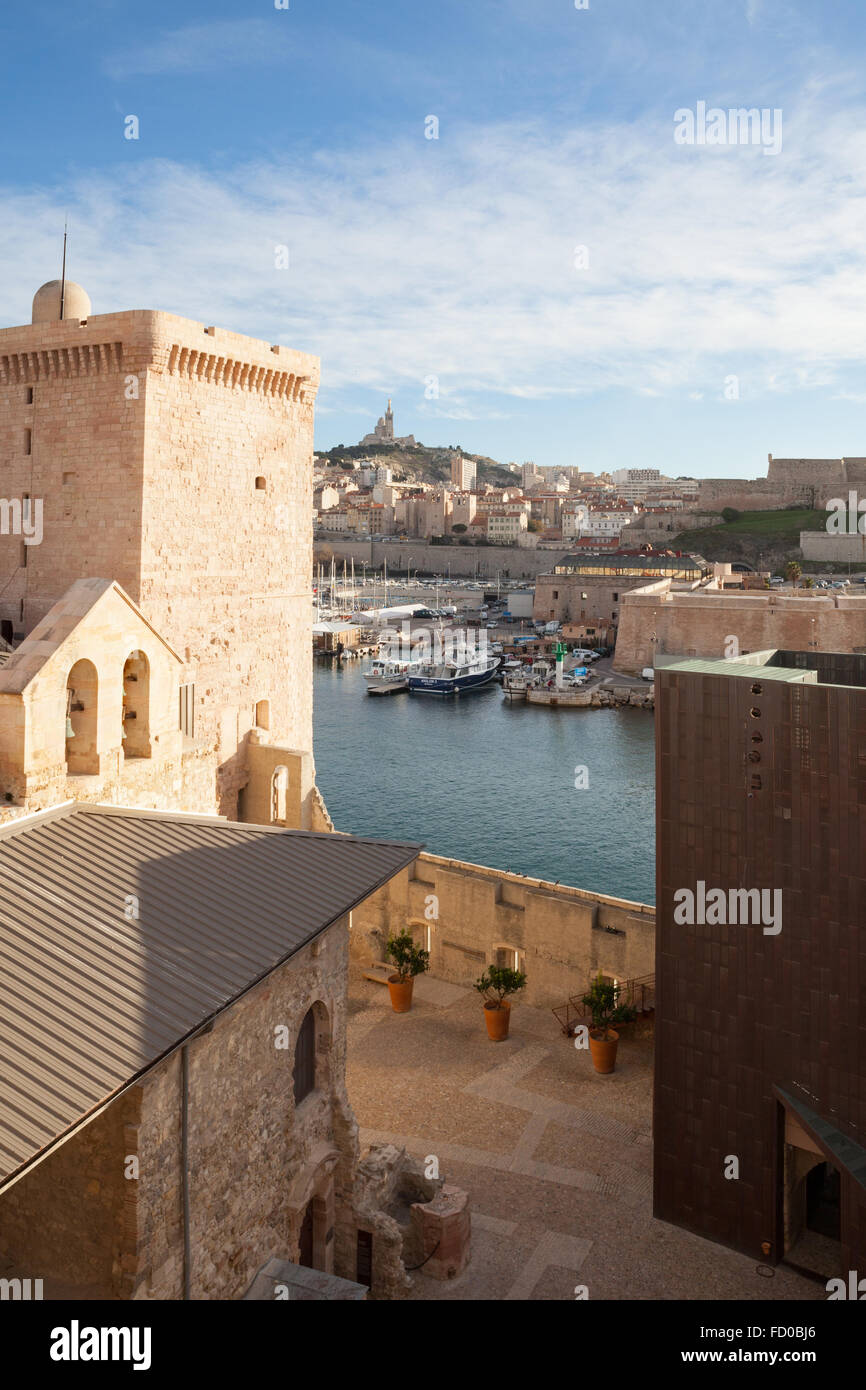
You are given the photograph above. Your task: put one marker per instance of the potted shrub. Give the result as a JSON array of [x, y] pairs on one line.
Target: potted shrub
[[604, 1007], [497, 982], [410, 960]]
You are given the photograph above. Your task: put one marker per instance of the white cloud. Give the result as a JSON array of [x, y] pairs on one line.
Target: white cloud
[[206, 47], [455, 258]]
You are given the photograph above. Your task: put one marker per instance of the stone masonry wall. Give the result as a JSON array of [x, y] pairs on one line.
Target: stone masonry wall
[[176, 459], [225, 572], [564, 934], [85, 1178], [560, 597], [510, 562], [837, 550], [248, 1143], [656, 621]]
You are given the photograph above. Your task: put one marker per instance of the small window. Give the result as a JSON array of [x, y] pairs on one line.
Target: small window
[[755, 712], [261, 483], [757, 689], [305, 1058], [187, 710], [556, 593], [616, 598], [263, 714], [756, 782], [29, 396], [27, 441]]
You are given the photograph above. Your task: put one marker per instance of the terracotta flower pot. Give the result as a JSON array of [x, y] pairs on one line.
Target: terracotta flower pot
[[401, 993], [497, 1021], [603, 1050]]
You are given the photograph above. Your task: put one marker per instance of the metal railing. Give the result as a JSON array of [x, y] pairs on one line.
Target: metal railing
[[639, 992]]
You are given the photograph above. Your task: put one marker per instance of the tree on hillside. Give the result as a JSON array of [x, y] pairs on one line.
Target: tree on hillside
[[730, 514]]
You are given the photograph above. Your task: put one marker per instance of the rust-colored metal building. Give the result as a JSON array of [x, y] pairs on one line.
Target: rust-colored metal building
[[760, 1086]]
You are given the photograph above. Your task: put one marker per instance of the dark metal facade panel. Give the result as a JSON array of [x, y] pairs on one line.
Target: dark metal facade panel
[[740, 1013], [122, 933]]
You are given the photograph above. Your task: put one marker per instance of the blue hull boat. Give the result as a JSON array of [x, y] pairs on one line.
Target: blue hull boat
[[453, 677]]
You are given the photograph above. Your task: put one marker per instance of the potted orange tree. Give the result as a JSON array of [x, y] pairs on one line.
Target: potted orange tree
[[604, 1008], [497, 982], [410, 960]]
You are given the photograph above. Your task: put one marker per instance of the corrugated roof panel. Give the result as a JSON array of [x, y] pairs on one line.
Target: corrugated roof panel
[[90, 998]]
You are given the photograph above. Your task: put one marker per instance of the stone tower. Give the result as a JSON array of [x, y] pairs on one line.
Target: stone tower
[[175, 459]]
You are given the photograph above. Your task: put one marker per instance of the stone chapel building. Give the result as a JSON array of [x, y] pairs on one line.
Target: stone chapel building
[[174, 931]]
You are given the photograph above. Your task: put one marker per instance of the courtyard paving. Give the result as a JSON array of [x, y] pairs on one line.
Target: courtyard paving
[[557, 1160]]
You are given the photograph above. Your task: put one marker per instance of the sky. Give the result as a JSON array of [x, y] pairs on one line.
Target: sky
[[487, 210]]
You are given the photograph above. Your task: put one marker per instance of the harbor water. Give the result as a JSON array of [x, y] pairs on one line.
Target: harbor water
[[565, 795]]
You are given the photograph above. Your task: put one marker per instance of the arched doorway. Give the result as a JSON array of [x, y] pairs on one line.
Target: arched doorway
[[82, 708], [136, 706], [823, 1202]]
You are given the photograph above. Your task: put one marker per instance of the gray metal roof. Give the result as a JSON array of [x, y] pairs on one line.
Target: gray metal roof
[[91, 998]]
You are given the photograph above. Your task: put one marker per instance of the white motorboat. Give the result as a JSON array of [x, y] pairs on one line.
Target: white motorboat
[[387, 675]]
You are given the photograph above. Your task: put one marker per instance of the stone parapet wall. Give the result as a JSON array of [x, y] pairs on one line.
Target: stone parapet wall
[[562, 935]]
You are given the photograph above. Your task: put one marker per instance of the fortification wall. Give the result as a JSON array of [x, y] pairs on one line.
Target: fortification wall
[[461, 561], [809, 482], [467, 913], [656, 620], [839, 550]]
